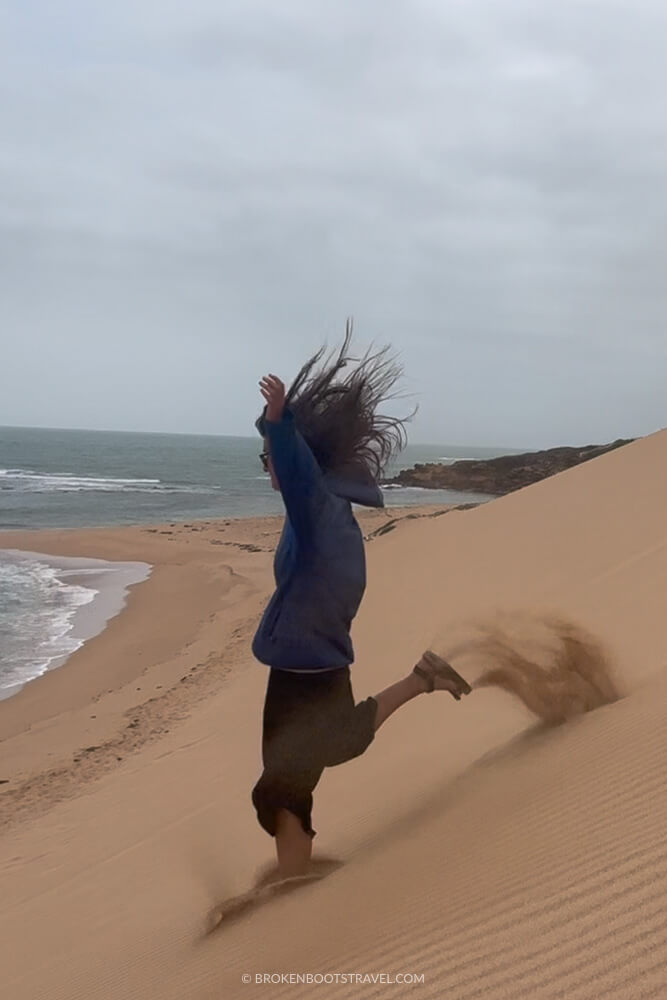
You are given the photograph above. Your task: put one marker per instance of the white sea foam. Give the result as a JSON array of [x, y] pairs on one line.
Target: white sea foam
[[399, 486], [36, 616], [25, 480], [47, 611]]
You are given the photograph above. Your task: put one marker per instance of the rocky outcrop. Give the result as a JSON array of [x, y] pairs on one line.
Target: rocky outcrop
[[497, 476]]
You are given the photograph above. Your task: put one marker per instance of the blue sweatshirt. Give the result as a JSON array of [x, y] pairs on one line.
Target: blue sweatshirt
[[319, 564]]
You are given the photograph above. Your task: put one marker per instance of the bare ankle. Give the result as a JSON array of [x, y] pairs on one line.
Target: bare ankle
[[293, 845], [418, 683], [294, 869]]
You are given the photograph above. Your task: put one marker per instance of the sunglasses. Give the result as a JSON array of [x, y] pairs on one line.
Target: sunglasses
[[264, 457]]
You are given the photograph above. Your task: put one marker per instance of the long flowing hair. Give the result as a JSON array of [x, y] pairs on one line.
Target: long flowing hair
[[338, 416]]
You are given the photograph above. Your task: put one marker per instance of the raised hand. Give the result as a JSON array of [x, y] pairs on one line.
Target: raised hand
[[273, 391]]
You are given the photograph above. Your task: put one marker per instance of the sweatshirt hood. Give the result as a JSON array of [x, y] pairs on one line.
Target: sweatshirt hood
[[366, 494]]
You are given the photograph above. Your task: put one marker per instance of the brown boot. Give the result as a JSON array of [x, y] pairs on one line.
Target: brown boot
[[441, 676]]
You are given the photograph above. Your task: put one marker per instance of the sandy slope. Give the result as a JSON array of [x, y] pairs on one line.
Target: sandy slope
[[496, 858]]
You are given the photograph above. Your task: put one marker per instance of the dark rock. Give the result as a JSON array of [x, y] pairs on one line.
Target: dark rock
[[497, 476]]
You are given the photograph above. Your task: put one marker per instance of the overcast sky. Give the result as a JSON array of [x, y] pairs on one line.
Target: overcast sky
[[193, 194]]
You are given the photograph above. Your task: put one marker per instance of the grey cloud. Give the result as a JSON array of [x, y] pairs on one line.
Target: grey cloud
[[215, 187]]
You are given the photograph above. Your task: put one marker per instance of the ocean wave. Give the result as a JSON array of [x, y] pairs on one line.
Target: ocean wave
[[27, 481], [37, 611], [399, 486]]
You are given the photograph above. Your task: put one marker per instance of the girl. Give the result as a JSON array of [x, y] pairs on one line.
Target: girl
[[324, 449]]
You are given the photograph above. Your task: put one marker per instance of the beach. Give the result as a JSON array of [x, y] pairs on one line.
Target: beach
[[493, 856], [179, 636]]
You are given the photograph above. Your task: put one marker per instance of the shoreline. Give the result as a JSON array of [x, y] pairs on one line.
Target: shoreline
[[394, 495], [107, 580]]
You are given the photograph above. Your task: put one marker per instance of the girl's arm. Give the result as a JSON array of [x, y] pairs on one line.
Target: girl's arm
[[299, 476]]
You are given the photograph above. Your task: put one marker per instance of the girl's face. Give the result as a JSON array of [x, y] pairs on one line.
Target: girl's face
[[272, 472]]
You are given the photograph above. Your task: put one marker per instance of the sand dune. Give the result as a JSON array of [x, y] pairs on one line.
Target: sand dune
[[494, 855]]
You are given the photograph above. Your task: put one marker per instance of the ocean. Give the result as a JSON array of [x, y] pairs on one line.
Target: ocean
[[74, 478]]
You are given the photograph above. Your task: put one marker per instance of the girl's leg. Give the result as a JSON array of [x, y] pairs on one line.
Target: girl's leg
[[293, 845], [396, 695], [292, 766], [352, 732], [444, 678], [352, 728]]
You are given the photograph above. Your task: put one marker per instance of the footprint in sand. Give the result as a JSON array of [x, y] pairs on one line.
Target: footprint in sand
[[267, 886]]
